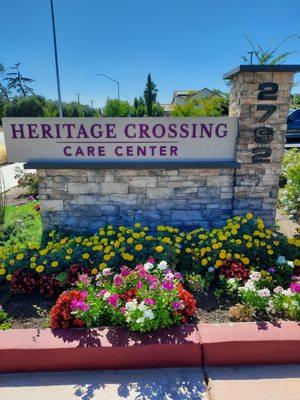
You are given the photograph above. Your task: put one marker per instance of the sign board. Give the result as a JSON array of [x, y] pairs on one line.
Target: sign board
[[114, 140]]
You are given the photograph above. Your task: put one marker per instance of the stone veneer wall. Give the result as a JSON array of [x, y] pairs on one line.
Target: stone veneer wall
[[84, 199]]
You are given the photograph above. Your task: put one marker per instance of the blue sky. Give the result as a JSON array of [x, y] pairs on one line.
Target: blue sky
[[185, 44]]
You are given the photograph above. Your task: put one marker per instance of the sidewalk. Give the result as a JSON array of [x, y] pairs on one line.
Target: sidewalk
[[226, 383]]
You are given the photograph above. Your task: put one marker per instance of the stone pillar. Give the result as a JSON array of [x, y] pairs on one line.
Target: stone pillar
[[260, 98]]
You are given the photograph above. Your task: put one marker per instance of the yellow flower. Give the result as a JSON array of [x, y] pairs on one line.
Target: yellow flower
[[237, 256], [159, 249], [40, 268], [20, 256], [249, 245], [9, 277], [139, 247], [276, 242], [85, 256], [68, 258], [130, 240], [177, 251], [188, 250], [94, 271], [2, 271], [249, 215], [215, 245], [167, 240], [204, 262], [270, 252], [245, 260], [106, 257], [297, 262], [54, 264], [218, 263], [178, 239], [137, 225], [222, 254], [102, 266]]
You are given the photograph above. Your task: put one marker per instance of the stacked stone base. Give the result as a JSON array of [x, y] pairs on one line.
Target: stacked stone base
[[86, 199]]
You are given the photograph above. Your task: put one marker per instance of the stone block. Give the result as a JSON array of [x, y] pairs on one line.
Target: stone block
[[83, 188], [52, 205]]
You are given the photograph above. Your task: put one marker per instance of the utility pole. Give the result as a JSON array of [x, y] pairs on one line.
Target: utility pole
[[92, 103], [117, 82], [78, 97], [56, 61]]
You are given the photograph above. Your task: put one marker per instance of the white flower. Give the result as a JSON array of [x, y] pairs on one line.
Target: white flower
[[169, 276], [131, 305], [106, 295], [281, 260], [142, 306], [287, 292], [149, 314], [270, 308], [255, 276], [290, 264], [265, 292], [211, 269], [140, 320], [106, 271], [148, 266], [162, 265], [249, 285], [278, 289]]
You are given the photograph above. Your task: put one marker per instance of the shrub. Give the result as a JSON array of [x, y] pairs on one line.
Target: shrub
[[49, 286], [234, 269], [148, 297], [4, 319], [289, 197], [28, 181], [61, 315]]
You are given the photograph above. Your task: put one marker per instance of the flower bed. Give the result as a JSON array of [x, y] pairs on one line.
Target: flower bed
[[224, 261]]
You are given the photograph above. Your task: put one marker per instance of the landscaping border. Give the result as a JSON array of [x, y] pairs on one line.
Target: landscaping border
[[24, 350]]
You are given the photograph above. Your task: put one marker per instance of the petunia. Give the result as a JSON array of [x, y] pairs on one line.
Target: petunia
[[150, 302], [139, 285], [113, 300], [168, 285], [118, 280]]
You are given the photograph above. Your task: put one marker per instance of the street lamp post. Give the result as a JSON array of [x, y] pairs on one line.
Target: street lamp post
[[56, 61], [118, 83]]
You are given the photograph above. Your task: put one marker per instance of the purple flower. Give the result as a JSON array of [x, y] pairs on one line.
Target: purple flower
[[176, 305], [118, 280], [178, 276], [150, 302], [168, 285], [151, 260], [83, 294], [139, 285], [30, 198], [113, 300], [123, 310], [272, 270]]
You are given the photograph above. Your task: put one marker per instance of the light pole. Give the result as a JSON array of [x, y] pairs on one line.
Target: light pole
[[78, 97], [56, 61], [118, 83]]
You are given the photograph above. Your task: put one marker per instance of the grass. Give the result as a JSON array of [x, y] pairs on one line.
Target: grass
[[22, 224]]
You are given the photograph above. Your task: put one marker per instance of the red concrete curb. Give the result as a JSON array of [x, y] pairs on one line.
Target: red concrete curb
[[23, 350], [250, 343]]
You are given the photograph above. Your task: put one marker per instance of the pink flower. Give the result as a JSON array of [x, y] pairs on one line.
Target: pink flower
[[295, 287], [176, 305], [168, 285], [118, 280], [85, 279], [101, 293], [123, 310], [125, 271], [113, 300], [78, 305], [154, 285], [84, 294], [151, 260], [150, 302], [178, 276], [139, 285]]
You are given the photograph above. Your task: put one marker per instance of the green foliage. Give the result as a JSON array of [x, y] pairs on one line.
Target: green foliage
[[139, 107], [22, 224], [28, 181], [270, 55], [18, 83], [4, 319], [196, 282], [30, 106], [289, 197], [205, 107], [150, 95], [296, 101], [117, 108]]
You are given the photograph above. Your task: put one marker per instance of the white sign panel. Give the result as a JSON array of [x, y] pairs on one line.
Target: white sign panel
[[206, 139]]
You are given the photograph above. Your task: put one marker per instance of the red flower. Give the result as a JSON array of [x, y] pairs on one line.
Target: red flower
[[49, 286], [61, 316], [234, 269], [189, 302], [74, 272], [23, 282]]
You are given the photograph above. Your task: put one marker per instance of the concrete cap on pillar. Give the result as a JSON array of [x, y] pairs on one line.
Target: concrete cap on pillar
[[262, 68]]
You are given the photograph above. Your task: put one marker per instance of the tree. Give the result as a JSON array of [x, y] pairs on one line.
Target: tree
[[30, 106], [117, 108], [18, 82], [150, 94], [3, 89], [139, 107], [296, 101], [204, 107], [269, 56]]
